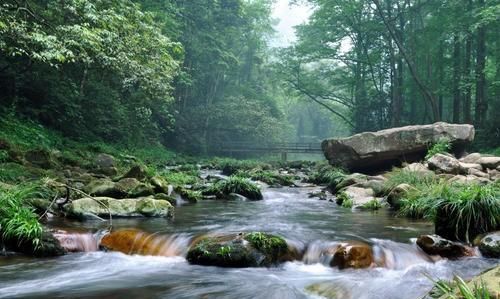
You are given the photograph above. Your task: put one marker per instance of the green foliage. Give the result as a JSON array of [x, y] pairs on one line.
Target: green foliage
[[233, 166], [327, 175], [459, 289], [268, 244], [4, 156], [225, 251], [372, 205], [181, 178], [268, 177], [346, 202], [468, 209], [17, 220], [442, 146], [414, 178], [235, 184]]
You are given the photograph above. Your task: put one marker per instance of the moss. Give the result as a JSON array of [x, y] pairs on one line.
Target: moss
[[181, 178], [347, 203], [189, 195], [268, 177], [327, 175], [372, 205], [235, 184], [270, 245]]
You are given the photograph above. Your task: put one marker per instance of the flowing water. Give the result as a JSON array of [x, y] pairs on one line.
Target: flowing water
[[306, 223]]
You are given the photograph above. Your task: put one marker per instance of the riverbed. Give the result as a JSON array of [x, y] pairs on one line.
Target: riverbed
[[305, 222]]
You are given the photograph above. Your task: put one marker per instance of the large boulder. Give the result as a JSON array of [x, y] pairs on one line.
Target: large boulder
[[105, 164], [241, 250], [444, 164], [103, 207], [373, 150]]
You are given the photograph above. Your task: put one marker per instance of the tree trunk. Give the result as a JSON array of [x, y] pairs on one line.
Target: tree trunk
[[481, 103], [456, 79], [467, 74]]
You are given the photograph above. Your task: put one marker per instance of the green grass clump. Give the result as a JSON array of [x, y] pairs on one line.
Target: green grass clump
[[442, 146], [460, 211], [235, 184], [181, 178], [232, 166], [347, 203], [17, 219], [268, 177], [327, 175], [417, 179], [372, 205], [465, 211], [459, 289]]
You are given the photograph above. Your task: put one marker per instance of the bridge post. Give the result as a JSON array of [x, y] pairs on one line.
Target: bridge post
[[283, 156]]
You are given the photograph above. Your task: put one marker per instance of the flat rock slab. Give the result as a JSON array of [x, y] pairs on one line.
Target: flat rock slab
[[382, 149]]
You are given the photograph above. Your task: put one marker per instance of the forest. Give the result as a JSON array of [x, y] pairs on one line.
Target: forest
[[140, 146], [194, 74]]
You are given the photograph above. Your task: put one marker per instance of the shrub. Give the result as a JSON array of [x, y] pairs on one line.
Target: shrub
[[460, 212], [414, 178], [327, 175], [465, 211], [442, 146], [18, 220]]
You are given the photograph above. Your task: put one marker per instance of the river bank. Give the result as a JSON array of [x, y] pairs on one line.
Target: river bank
[[345, 229]]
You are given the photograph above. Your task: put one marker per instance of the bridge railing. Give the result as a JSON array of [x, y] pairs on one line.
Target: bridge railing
[[291, 147]]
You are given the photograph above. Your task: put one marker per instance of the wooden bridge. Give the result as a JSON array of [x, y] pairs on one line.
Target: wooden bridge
[[281, 147]]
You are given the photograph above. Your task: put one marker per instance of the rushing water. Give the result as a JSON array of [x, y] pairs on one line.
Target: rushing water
[[304, 222]]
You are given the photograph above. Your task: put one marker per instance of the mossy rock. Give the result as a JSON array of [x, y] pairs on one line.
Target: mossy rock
[[189, 195], [241, 250], [91, 208], [234, 184], [137, 171], [49, 246], [490, 245], [40, 158]]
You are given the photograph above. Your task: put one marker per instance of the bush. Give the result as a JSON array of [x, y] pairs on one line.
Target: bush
[[400, 176], [460, 212], [465, 211], [327, 175], [18, 220], [236, 185], [442, 146]]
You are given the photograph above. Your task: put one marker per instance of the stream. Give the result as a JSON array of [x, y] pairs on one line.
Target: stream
[[305, 222]]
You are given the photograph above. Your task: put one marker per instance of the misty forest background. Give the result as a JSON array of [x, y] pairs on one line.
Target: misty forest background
[[194, 74]]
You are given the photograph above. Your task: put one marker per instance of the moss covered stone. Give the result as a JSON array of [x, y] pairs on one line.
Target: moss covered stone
[[235, 184], [241, 250]]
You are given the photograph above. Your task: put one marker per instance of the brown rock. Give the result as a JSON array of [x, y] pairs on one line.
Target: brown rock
[[435, 245], [353, 254]]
